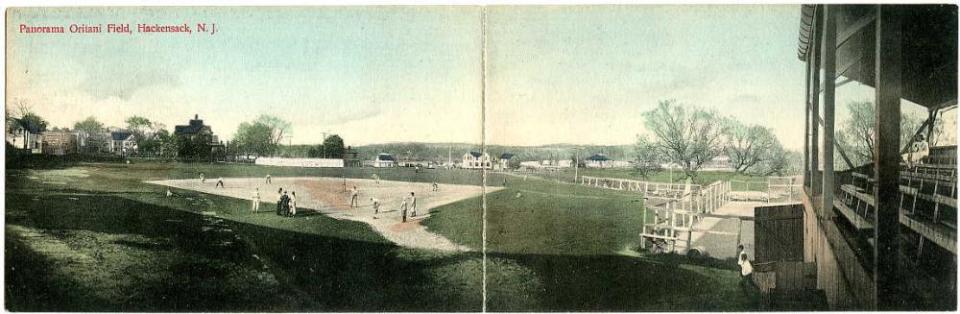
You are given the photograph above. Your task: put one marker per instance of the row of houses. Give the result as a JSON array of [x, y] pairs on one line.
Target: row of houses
[[115, 141], [64, 142]]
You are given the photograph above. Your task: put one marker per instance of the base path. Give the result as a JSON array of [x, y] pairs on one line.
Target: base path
[[722, 241], [328, 196]]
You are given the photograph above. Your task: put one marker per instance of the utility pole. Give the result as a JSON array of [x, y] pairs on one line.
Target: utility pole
[[576, 165]]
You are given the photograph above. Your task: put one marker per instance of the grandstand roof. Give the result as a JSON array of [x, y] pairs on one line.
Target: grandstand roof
[[929, 48]]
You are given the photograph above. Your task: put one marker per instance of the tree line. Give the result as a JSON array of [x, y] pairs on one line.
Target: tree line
[[262, 136], [690, 137]]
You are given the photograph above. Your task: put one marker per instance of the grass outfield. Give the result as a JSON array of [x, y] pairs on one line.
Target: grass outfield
[[739, 181], [93, 237]]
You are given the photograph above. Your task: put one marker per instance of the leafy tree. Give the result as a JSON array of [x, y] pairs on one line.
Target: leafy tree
[[195, 147], [687, 136], [255, 138], [32, 121], [333, 147], [648, 157], [92, 134], [138, 125], [27, 119], [278, 128], [89, 125]]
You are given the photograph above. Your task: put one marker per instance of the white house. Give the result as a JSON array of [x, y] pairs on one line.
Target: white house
[[547, 164], [504, 162], [122, 143], [384, 160], [602, 161], [475, 160], [719, 163], [597, 161], [22, 138]]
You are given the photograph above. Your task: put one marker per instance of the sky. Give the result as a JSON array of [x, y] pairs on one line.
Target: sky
[[580, 75]]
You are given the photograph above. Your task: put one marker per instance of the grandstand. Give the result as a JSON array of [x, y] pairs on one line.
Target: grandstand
[[882, 235]]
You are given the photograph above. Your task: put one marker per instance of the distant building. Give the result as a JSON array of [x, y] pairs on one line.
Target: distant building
[[546, 164], [504, 162], [384, 160], [122, 143], [476, 160], [196, 128], [597, 161], [25, 139], [719, 163], [59, 142], [350, 158]]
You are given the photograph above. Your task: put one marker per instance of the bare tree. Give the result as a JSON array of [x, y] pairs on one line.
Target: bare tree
[[856, 134], [687, 136], [748, 146]]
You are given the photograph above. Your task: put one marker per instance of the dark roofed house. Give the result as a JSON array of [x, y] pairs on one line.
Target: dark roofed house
[[194, 129], [504, 162], [384, 160], [122, 142], [597, 161]]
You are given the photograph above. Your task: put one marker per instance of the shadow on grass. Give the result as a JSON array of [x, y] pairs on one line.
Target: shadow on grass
[[618, 283], [214, 267]]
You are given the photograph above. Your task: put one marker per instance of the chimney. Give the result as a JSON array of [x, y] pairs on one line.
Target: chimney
[[196, 116]]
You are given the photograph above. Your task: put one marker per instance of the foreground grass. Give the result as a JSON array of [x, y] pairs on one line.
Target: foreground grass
[[552, 246], [106, 242], [556, 247]]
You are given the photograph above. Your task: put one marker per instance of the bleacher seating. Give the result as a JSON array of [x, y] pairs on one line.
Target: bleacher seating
[[928, 200]]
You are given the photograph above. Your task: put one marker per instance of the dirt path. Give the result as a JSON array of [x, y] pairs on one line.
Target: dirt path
[[328, 196], [725, 245]]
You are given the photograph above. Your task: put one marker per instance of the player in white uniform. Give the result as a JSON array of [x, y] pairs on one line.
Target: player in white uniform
[[255, 203], [354, 197]]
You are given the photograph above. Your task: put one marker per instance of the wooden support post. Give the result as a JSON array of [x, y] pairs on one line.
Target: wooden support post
[[815, 107], [829, 59], [806, 126], [643, 226], [739, 233], [887, 155]]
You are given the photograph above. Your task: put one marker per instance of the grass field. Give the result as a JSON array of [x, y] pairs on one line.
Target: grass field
[[738, 180], [94, 237]]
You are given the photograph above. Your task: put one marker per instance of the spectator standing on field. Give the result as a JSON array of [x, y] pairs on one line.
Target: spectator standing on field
[[746, 272], [403, 209], [413, 205], [284, 204], [280, 202], [255, 206], [202, 178], [268, 179], [293, 203], [354, 197]]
